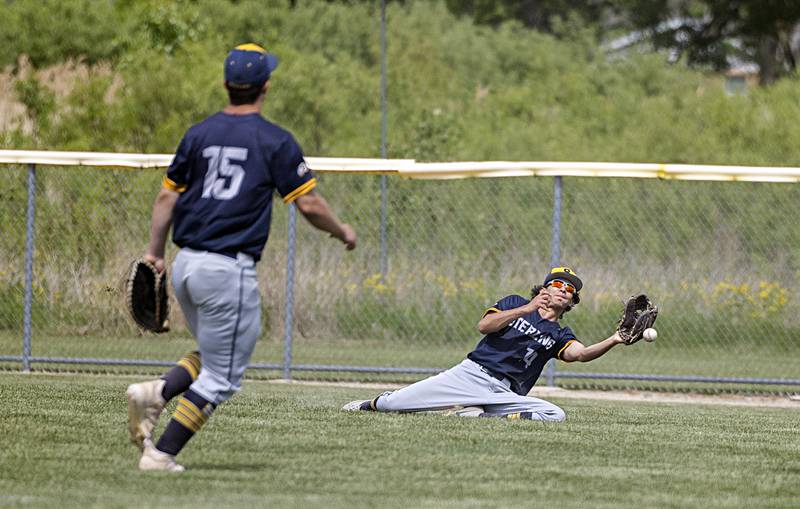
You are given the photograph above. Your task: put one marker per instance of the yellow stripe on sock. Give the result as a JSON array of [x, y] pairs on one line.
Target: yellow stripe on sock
[[189, 415], [186, 423], [188, 366], [191, 363], [513, 417], [191, 408], [187, 419], [194, 358]]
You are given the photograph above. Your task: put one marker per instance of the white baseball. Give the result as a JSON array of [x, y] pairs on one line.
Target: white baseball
[[650, 334]]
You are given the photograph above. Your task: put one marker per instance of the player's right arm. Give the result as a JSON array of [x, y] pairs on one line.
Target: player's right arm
[[495, 319]]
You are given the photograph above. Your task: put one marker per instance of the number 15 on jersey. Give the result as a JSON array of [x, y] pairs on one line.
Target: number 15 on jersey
[[223, 178]]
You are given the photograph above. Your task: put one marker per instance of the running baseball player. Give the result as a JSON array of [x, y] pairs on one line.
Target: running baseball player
[[520, 336], [217, 196]]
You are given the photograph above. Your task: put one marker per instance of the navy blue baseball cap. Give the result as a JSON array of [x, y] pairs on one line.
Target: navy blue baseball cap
[[249, 65]]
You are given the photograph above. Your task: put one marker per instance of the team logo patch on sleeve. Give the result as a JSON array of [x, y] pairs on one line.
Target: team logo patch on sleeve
[[302, 169]]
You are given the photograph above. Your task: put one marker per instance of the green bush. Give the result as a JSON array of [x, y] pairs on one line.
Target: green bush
[[52, 31]]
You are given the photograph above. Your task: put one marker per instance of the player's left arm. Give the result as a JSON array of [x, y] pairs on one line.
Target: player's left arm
[[317, 211], [577, 351], [296, 183], [173, 184]]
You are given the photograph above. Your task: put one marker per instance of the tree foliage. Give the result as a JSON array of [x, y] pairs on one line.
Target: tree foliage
[[712, 32], [456, 90]]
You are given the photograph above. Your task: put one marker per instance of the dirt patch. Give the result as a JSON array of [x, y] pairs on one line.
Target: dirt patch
[[11, 110], [672, 397], [641, 396], [59, 78]]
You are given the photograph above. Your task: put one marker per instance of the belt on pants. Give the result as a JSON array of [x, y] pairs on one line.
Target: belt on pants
[[492, 374], [236, 255]]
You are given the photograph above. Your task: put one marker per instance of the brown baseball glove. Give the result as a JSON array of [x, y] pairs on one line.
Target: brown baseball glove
[[146, 293], [639, 314]]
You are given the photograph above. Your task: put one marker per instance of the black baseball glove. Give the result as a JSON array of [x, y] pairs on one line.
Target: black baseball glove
[[639, 314], [146, 292]]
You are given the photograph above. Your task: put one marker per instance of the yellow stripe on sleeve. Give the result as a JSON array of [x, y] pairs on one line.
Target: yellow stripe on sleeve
[[168, 183], [565, 347], [490, 311], [300, 191]]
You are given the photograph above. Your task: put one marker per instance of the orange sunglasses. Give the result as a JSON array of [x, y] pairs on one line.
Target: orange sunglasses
[[562, 284]]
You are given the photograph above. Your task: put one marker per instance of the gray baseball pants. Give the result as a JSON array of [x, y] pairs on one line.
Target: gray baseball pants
[[466, 384], [220, 300]]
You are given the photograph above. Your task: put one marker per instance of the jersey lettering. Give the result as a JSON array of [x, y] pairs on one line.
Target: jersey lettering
[[223, 179], [525, 327], [528, 359]]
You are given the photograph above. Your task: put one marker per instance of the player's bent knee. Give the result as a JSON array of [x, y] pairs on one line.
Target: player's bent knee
[[551, 413]]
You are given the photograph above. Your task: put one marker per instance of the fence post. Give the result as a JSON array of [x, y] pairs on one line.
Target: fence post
[[384, 131], [28, 308], [555, 257], [289, 310]]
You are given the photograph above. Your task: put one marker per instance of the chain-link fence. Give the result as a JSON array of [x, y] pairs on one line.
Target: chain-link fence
[[722, 260]]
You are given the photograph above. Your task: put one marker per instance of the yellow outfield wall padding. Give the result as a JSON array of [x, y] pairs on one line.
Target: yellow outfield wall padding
[[409, 168]]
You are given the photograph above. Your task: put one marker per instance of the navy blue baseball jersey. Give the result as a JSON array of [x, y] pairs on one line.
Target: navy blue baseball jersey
[[520, 350], [226, 169]]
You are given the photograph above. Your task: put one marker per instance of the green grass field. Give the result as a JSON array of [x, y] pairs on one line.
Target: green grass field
[[64, 444]]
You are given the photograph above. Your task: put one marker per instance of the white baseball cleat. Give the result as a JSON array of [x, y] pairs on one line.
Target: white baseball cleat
[[458, 411], [145, 405], [153, 459], [354, 406], [465, 411]]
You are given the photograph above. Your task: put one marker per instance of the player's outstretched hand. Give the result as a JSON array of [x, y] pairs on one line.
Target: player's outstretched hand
[[348, 237]]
